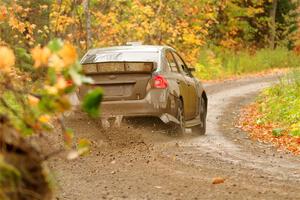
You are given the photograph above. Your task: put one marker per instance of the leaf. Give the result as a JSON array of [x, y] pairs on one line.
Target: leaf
[[76, 77], [77, 66], [82, 148], [55, 45], [7, 58], [24, 60], [259, 121], [68, 54], [83, 143], [277, 132], [295, 133], [218, 180], [68, 137], [44, 118], [87, 80], [52, 75], [40, 56], [91, 102]]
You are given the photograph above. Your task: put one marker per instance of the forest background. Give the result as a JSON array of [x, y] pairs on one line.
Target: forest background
[[220, 38]]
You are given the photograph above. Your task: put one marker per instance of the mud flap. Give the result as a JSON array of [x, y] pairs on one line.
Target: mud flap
[[117, 121], [166, 118]]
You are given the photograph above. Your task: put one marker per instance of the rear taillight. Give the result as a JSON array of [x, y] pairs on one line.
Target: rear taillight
[[159, 82]]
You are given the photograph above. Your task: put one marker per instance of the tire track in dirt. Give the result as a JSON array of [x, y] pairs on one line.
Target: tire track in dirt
[[143, 160], [224, 148]]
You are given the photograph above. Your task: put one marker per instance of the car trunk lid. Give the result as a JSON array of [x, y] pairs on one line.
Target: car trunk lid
[[119, 80]]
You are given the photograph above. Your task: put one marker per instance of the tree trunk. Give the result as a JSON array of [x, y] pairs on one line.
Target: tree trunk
[[273, 24], [87, 13], [21, 168]]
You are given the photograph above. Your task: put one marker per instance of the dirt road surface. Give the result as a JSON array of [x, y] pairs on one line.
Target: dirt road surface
[[142, 160]]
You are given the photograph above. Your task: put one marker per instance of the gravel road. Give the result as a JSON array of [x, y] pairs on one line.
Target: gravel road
[[142, 160]]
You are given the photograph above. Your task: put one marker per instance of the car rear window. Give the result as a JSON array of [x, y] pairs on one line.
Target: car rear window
[[118, 67], [124, 56]]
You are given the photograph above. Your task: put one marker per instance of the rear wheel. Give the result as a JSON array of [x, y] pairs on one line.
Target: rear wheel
[[180, 117], [201, 128]]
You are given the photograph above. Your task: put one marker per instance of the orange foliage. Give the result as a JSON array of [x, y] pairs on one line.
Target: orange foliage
[[264, 132], [40, 56], [7, 59], [68, 54]]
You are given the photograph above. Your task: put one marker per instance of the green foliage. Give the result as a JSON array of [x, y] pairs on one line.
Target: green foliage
[[277, 132], [222, 63], [281, 103], [248, 23], [209, 66], [55, 45], [92, 101], [9, 175], [83, 146], [30, 107], [24, 60], [295, 133], [286, 23]]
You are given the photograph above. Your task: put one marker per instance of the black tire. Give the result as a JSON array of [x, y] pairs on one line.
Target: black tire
[[180, 117], [201, 128]]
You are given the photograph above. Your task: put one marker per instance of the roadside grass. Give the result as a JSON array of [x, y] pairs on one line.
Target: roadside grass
[[275, 116], [220, 63], [281, 103]]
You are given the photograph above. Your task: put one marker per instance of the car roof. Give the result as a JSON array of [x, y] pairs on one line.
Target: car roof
[[124, 53], [129, 48]]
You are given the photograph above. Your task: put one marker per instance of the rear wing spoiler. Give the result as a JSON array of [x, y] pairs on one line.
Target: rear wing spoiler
[[119, 67]]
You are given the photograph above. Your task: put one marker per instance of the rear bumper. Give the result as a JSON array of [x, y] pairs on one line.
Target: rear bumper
[[156, 104], [129, 108]]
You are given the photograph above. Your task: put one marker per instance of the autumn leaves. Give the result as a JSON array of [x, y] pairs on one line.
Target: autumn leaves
[[36, 103], [7, 59], [63, 58]]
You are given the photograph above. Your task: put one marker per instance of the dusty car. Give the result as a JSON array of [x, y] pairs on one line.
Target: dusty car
[[142, 80]]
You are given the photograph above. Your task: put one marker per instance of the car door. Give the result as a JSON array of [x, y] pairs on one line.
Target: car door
[[176, 77], [192, 100]]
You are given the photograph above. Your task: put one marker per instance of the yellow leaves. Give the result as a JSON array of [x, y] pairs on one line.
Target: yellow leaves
[[44, 7], [56, 62], [16, 22], [61, 83], [148, 11], [190, 38], [68, 54], [3, 13], [228, 43], [59, 19], [44, 119], [32, 100], [295, 126], [43, 56], [51, 89], [40, 56], [251, 11], [7, 59]]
